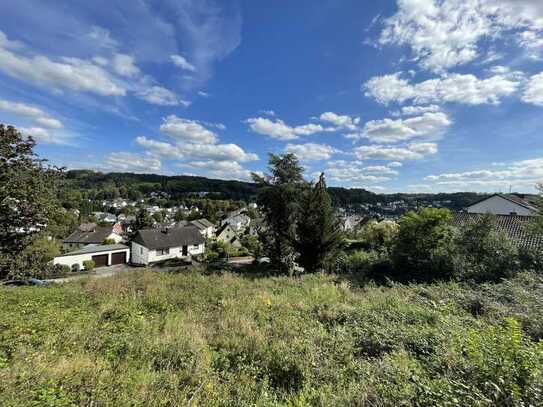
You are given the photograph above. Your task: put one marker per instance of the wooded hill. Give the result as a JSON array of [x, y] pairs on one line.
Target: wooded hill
[[180, 185]]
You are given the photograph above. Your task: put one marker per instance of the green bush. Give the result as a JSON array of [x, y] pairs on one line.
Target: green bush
[[424, 246], [89, 265], [483, 254], [64, 268], [76, 267]]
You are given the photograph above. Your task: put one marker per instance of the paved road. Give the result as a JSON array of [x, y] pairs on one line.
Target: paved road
[[96, 273]]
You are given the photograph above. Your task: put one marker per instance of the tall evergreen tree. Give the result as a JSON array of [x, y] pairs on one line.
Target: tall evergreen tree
[[28, 200], [318, 234], [278, 195]]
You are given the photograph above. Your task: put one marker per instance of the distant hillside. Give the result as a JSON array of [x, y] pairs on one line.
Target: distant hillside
[[180, 185], [174, 185]]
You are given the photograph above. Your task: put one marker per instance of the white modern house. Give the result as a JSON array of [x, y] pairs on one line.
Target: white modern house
[[102, 255], [154, 245], [511, 204]]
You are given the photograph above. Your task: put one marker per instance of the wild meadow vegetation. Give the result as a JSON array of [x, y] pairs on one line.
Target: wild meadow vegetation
[[408, 313], [158, 339]]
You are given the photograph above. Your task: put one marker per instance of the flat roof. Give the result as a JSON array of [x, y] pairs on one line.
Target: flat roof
[[96, 249]]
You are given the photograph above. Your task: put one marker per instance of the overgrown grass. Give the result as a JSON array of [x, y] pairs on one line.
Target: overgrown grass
[[147, 338]]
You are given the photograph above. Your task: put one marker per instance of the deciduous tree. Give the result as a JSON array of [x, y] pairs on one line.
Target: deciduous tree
[[28, 191]]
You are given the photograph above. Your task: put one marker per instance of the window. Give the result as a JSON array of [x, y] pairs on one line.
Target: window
[[141, 250], [195, 247], [162, 252]]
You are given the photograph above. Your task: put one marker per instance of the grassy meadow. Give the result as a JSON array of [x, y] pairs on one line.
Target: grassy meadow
[[158, 339]]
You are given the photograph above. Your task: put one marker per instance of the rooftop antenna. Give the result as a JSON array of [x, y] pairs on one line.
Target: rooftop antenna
[[510, 188]]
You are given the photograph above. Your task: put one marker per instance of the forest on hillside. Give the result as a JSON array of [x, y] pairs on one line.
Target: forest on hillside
[[130, 185]]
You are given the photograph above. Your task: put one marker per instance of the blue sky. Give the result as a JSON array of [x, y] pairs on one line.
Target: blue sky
[[399, 95]]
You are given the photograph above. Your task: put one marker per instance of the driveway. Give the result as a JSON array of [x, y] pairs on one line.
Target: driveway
[[96, 273]]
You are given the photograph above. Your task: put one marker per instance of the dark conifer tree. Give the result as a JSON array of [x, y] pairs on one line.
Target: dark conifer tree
[[318, 235]]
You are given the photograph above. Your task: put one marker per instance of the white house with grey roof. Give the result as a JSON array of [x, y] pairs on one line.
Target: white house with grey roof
[[510, 204], [89, 234], [154, 245]]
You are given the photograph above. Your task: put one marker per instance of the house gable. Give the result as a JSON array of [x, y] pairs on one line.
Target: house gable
[[501, 205]]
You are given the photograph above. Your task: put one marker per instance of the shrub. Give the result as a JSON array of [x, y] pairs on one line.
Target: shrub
[[531, 259], [504, 364], [64, 268], [76, 267], [379, 234], [89, 265], [422, 251], [484, 254]]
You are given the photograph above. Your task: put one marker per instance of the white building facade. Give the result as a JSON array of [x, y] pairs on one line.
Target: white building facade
[[153, 245], [502, 205], [144, 255], [106, 255]]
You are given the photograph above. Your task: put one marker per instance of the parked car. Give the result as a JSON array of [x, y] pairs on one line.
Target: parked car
[[263, 260], [18, 283]]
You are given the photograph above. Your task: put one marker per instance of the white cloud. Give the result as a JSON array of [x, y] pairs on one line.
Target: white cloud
[[102, 37], [203, 94], [416, 110], [341, 121], [181, 62], [533, 92], [220, 169], [98, 75], [445, 33], [187, 130], [395, 164], [34, 113], [278, 129], [455, 88], [267, 112], [311, 151], [46, 136], [499, 69], [518, 170], [185, 150], [352, 172], [131, 162], [68, 73], [157, 95], [393, 131], [124, 65], [414, 151], [380, 169]]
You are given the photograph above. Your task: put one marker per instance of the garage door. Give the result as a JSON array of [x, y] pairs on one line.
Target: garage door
[[100, 260], [118, 258]]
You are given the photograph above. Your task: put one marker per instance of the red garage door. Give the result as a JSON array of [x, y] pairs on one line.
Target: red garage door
[[100, 260], [118, 258]]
